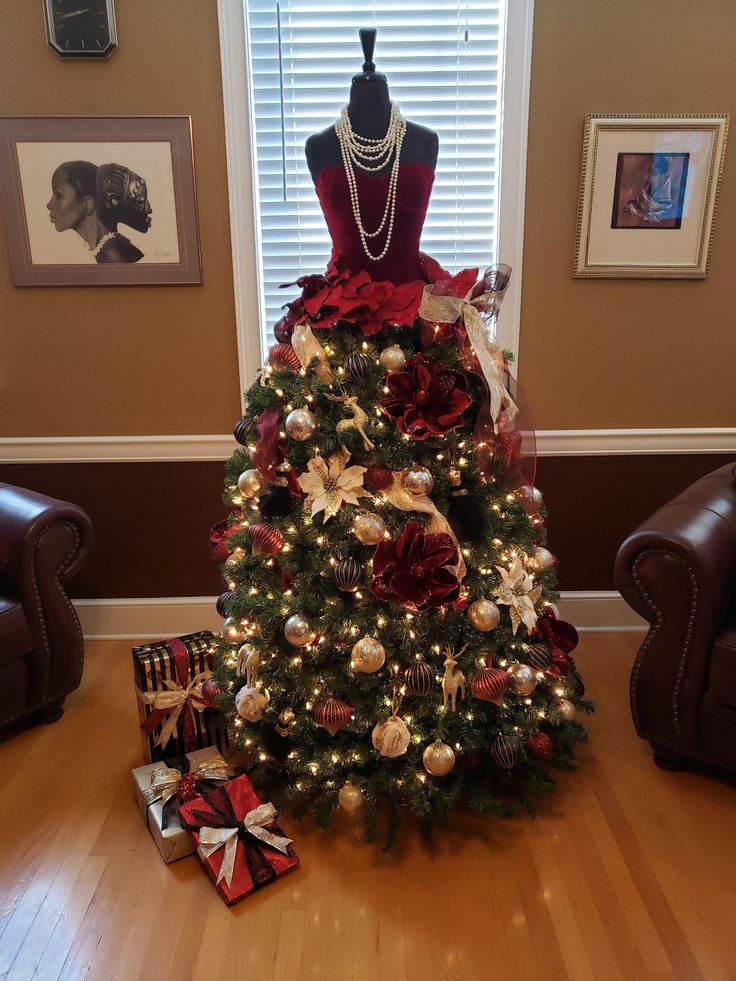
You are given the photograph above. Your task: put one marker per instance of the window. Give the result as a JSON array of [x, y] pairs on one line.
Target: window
[[444, 63]]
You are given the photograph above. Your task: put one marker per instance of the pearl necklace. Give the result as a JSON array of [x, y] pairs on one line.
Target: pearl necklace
[[105, 238], [362, 151]]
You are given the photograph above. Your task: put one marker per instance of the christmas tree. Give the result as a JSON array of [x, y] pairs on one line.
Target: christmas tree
[[391, 640]]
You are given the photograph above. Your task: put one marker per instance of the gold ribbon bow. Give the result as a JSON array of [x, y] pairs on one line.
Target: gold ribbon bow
[[448, 309], [404, 501], [174, 697], [165, 780], [307, 346], [210, 839]]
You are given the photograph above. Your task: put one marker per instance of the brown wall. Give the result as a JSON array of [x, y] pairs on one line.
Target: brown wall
[[112, 361], [598, 354]]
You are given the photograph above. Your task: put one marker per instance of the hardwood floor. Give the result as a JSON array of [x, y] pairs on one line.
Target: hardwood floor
[[627, 873]]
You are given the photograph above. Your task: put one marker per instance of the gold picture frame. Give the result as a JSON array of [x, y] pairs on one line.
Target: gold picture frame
[[649, 186]]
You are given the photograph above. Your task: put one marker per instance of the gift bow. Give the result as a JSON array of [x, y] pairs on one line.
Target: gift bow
[[165, 780], [448, 309], [210, 839], [169, 702]]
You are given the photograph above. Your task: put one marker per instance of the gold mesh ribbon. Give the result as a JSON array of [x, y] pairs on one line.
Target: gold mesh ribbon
[[165, 780], [307, 347], [448, 309], [404, 501], [174, 697], [210, 839]]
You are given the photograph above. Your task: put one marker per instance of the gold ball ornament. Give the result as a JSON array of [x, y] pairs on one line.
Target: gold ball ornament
[[251, 703], [522, 678], [484, 615], [233, 630], [438, 758], [350, 797], [417, 481], [567, 709], [369, 528], [391, 738], [367, 655], [249, 483], [298, 631], [301, 424], [542, 558], [392, 358]]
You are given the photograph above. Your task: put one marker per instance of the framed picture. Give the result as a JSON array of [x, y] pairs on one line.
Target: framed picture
[[648, 195], [99, 201]]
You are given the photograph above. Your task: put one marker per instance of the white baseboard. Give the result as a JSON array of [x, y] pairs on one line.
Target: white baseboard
[[151, 618]]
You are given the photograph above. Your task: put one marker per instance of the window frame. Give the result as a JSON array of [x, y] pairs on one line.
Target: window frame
[[243, 197]]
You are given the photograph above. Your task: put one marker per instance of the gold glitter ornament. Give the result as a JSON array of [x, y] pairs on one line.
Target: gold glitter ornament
[[369, 528], [438, 758]]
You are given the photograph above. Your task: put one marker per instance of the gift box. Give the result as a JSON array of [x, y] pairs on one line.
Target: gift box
[[237, 838], [159, 787], [174, 718]]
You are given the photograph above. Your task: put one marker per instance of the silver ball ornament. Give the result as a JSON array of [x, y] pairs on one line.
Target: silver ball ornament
[[567, 709], [249, 483], [392, 358], [367, 655], [542, 558], [234, 631], [369, 528], [251, 703], [522, 678], [298, 631], [350, 797], [484, 615], [532, 495], [301, 424], [417, 480], [438, 759]]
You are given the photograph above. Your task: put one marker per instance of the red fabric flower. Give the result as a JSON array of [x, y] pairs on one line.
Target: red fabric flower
[[221, 532], [426, 398], [561, 638], [412, 569]]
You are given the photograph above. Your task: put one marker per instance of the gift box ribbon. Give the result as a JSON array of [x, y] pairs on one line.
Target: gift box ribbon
[[166, 780], [211, 839], [169, 703]]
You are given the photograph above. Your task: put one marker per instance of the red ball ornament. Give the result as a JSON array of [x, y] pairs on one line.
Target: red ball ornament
[[284, 328], [490, 685], [378, 478], [210, 692], [332, 714], [265, 539], [187, 788], [283, 357], [540, 745]]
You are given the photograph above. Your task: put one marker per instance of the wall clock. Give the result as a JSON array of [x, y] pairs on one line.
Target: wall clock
[[81, 28]]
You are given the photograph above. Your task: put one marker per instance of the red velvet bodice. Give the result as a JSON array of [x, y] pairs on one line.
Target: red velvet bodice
[[401, 264]]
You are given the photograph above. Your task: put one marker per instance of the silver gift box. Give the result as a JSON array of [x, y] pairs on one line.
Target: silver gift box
[[173, 842]]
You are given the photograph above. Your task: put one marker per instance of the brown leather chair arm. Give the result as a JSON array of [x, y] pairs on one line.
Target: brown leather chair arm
[[678, 571], [43, 542]]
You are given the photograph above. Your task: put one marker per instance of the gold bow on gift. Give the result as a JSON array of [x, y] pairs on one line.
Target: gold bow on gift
[[173, 699], [210, 839], [448, 309], [165, 780]]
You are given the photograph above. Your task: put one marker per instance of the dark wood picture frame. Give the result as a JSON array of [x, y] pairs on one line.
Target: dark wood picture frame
[[176, 130]]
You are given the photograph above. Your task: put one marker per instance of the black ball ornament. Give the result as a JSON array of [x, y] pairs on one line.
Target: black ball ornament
[[538, 656], [348, 574], [220, 604], [505, 752], [243, 429], [419, 678], [359, 366]]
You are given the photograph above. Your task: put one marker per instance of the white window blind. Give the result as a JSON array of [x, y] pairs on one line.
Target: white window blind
[[444, 65]]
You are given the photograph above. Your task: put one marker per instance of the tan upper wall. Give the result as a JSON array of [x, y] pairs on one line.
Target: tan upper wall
[[614, 353], [143, 359], [594, 354]]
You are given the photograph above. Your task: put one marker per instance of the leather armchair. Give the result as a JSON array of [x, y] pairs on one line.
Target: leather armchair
[[43, 542], [678, 571]]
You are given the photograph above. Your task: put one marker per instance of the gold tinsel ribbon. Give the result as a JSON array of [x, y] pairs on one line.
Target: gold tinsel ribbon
[[404, 501], [165, 780], [448, 309], [210, 839], [173, 699], [307, 347]]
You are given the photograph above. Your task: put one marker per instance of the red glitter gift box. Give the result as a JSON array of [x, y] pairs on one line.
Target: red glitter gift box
[[237, 839]]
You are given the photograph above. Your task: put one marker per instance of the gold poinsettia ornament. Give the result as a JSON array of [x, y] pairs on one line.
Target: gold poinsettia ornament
[[517, 591], [329, 484]]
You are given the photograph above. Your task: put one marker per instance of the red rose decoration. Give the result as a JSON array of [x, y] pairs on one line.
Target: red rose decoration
[[426, 398], [412, 569], [220, 533]]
